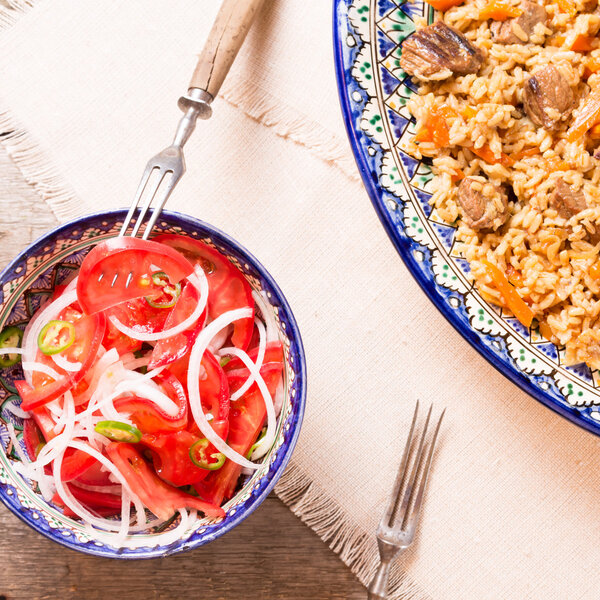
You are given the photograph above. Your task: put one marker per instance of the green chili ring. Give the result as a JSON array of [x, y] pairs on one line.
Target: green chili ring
[[52, 340], [168, 289], [200, 459], [10, 338], [256, 444], [119, 432]]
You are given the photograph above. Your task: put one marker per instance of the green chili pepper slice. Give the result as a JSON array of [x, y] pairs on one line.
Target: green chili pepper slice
[[56, 336], [256, 444], [200, 458], [119, 432], [10, 338], [170, 292], [224, 360]]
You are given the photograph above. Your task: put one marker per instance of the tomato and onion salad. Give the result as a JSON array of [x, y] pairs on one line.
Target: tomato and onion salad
[[152, 380]]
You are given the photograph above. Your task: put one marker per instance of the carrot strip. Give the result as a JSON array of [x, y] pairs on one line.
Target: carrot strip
[[525, 153], [511, 298], [499, 10], [444, 4], [595, 271], [583, 43], [458, 175], [545, 331], [588, 116], [486, 154], [567, 6]]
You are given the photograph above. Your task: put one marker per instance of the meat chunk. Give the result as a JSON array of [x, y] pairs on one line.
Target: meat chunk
[[519, 29], [438, 52], [484, 205], [548, 98], [566, 201]]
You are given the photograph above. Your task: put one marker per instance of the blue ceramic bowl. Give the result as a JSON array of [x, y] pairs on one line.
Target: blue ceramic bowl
[[29, 280]]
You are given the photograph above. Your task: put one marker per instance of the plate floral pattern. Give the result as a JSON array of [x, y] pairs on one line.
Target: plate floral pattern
[[374, 91], [29, 280]]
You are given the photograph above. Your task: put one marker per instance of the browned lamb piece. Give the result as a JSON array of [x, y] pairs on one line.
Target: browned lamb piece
[[484, 205], [519, 29], [548, 98], [566, 201], [438, 52]]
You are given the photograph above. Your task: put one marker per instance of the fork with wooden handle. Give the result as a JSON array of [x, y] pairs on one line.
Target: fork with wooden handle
[[398, 524], [166, 168]]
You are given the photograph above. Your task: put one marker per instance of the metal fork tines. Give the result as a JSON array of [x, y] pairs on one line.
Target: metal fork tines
[[161, 175], [397, 527]]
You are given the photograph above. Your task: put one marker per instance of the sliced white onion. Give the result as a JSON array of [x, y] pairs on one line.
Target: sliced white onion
[[65, 364], [15, 442], [137, 363], [16, 410], [139, 507], [42, 368], [9, 350], [219, 340], [278, 399], [161, 539], [199, 281], [57, 445], [71, 502], [193, 379], [266, 311], [103, 489], [37, 324], [262, 346], [264, 445]]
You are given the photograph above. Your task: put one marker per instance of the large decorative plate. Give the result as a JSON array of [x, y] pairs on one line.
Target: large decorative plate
[[373, 92]]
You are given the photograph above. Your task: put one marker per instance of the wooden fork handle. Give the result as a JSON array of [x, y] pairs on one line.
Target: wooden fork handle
[[224, 41]]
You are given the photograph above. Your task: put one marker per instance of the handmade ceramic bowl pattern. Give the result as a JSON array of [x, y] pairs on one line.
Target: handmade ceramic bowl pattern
[[373, 92], [29, 280]]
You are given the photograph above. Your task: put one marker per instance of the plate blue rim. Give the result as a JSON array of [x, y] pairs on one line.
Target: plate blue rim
[[404, 245]]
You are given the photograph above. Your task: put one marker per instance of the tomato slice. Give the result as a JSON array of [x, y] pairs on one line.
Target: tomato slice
[[89, 331], [246, 419], [228, 288], [133, 261], [161, 498], [171, 349], [148, 417], [171, 457], [33, 438]]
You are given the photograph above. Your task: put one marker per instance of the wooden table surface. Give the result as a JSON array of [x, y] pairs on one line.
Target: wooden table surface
[[270, 555]]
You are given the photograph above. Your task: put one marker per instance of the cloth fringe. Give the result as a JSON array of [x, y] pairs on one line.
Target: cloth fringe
[[11, 10], [289, 124], [357, 549], [37, 169]]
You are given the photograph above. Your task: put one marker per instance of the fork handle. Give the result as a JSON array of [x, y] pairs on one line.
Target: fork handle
[[225, 39], [379, 585]]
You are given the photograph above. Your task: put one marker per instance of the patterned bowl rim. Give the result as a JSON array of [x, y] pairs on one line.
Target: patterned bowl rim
[[341, 27], [299, 401]]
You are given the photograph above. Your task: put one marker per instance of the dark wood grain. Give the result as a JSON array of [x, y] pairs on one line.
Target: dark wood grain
[[271, 555]]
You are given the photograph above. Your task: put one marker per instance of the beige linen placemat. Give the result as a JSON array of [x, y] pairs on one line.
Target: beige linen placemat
[[89, 91]]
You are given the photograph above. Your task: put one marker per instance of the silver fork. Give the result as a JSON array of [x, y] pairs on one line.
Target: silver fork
[[398, 524], [166, 168]]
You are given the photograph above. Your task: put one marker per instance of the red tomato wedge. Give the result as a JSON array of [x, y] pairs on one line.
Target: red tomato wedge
[[97, 289], [171, 349], [161, 498], [148, 417], [228, 288], [246, 419], [171, 457], [89, 331]]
